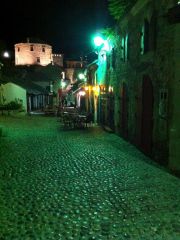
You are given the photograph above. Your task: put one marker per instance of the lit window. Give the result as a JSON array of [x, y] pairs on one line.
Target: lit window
[[145, 37], [142, 40], [126, 45], [123, 49]]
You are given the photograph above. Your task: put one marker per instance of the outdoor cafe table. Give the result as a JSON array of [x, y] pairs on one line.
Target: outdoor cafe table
[[74, 119]]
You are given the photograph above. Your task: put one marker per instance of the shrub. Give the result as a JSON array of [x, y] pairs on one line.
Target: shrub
[[13, 105]]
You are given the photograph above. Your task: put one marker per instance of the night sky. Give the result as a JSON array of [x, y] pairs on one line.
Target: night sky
[[67, 25]]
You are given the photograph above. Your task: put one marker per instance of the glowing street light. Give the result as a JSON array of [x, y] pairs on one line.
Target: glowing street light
[[82, 93], [81, 76], [98, 41], [6, 54], [63, 84], [102, 44]]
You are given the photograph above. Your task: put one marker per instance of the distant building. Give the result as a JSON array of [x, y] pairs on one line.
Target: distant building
[[72, 68], [57, 59], [34, 52]]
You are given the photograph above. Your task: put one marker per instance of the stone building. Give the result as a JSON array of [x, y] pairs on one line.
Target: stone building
[[72, 68], [32, 53], [140, 89], [57, 59]]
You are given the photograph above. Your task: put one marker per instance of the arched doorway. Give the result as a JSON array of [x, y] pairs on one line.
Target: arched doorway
[[124, 111], [147, 115]]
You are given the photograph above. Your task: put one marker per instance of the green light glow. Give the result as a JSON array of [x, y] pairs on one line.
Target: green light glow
[[101, 71], [106, 46], [102, 43], [81, 76], [63, 84], [98, 41]]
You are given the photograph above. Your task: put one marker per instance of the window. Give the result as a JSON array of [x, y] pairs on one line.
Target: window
[[145, 37], [31, 48], [126, 47], [142, 41], [163, 102], [38, 59], [123, 49], [18, 49], [153, 32], [163, 94], [43, 49]]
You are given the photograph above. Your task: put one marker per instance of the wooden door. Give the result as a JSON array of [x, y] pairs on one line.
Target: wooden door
[[147, 115]]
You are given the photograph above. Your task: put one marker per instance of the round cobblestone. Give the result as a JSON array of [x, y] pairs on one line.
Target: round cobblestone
[[81, 184]]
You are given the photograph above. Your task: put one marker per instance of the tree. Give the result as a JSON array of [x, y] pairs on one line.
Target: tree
[[118, 8]]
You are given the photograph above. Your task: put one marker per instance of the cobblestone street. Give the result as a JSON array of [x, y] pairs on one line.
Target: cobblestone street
[[84, 184]]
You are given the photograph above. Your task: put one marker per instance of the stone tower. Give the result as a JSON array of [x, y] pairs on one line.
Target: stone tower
[[31, 53]]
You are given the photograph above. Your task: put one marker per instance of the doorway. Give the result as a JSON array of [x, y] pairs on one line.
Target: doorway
[[124, 111], [147, 116]]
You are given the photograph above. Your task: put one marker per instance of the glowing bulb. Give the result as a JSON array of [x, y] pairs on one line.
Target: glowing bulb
[[6, 54], [81, 76], [82, 93], [98, 41]]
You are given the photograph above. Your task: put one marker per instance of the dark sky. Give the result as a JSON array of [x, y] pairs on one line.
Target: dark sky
[[67, 25]]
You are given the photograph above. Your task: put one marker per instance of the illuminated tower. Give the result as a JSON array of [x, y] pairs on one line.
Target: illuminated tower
[[30, 53]]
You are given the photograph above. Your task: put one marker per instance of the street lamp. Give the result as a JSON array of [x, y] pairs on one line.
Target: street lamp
[[63, 84], [102, 47], [81, 76], [6, 54], [101, 43], [98, 41]]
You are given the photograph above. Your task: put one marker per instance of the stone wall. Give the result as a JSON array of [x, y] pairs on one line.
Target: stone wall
[[146, 68]]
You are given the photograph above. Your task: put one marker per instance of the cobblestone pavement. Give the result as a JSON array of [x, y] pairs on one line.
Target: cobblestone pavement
[[81, 185]]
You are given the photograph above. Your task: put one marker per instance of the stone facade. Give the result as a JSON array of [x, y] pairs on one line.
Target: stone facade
[[72, 68], [33, 54], [143, 69], [58, 59]]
